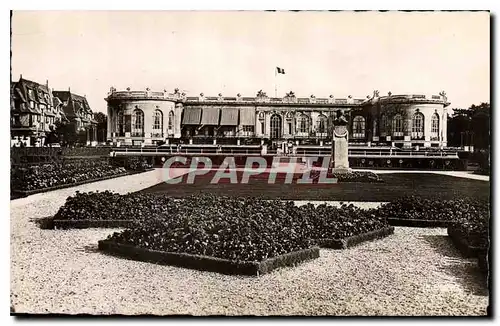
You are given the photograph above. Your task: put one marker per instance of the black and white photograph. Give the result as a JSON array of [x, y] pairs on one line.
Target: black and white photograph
[[250, 163]]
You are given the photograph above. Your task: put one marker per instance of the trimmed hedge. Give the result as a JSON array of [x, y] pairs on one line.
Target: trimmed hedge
[[418, 223], [462, 244], [356, 239], [206, 263]]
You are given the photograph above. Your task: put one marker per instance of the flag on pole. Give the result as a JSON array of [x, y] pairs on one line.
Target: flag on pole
[[280, 70]]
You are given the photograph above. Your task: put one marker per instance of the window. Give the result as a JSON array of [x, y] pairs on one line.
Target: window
[[397, 126], [435, 126], [262, 127], [303, 124], [417, 125], [138, 123], [171, 120], [157, 122], [276, 126], [32, 104], [289, 128], [358, 127], [322, 122]]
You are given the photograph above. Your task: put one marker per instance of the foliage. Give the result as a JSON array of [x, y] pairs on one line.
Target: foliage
[[51, 175], [245, 229], [68, 134], [412, 207], [470, 126], [102, 126]]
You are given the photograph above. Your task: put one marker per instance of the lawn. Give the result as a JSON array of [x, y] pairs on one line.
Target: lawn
[[396, 185]]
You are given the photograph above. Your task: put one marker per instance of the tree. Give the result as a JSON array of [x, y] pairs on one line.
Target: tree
[[470, 127], [102, 126], [68, 134]]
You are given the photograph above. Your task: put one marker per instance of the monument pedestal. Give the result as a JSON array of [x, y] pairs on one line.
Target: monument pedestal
[[341, 149]]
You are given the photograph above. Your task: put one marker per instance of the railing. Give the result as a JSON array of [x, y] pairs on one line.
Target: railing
[[255, 150], [186, 150]]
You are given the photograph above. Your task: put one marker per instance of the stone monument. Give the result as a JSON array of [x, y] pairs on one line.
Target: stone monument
[[340, 144]]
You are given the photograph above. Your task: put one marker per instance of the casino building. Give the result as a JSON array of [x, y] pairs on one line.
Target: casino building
[[146, 118]]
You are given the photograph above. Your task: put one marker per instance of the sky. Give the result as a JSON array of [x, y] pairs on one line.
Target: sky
[[323, 53]]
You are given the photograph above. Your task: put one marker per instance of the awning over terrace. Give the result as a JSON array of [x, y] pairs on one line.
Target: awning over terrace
[[247, 116], [210, 116], [229, 116], [192, 116]]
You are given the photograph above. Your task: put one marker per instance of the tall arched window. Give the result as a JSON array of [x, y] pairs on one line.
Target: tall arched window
[[322, 124], [358, 127], [157, 123], [417, 125], [397, 126], [171, 121], [138, 123], [120, 123], [276, 123], [303, 124], [435, 126]]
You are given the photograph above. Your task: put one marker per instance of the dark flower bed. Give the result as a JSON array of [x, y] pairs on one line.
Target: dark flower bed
[[468, 217], [107, 205], [52, 175], [417, 208], [246, 229], [474, 229], [240, 230]]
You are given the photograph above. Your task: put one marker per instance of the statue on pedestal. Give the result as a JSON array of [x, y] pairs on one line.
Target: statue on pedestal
[[340, 155]]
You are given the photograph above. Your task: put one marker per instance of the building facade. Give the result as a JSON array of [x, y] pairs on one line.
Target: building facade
[[35, 109], [79, 114], [146, 118]]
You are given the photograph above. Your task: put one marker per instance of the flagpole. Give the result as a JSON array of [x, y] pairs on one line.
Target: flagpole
[[275, 85]]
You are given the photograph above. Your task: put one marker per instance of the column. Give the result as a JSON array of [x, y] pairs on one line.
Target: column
[[128, 128], [148, 123], [267, 124], [427, 127], [108, 131], [443, 126], [407, 128]]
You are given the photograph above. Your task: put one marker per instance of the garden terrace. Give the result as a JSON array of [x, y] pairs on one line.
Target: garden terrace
[[414, 272]]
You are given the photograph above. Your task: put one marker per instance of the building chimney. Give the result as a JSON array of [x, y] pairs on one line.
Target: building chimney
[[47, 83], [21, 77], [69, 89]]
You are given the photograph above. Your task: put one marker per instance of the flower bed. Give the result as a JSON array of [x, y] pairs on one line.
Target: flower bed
[[50, 176], [470, 245], [422, 212], [470, 235], [245, 231], [206, 263]]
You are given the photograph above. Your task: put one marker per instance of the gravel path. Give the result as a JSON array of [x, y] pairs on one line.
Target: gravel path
[[413, 272]]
